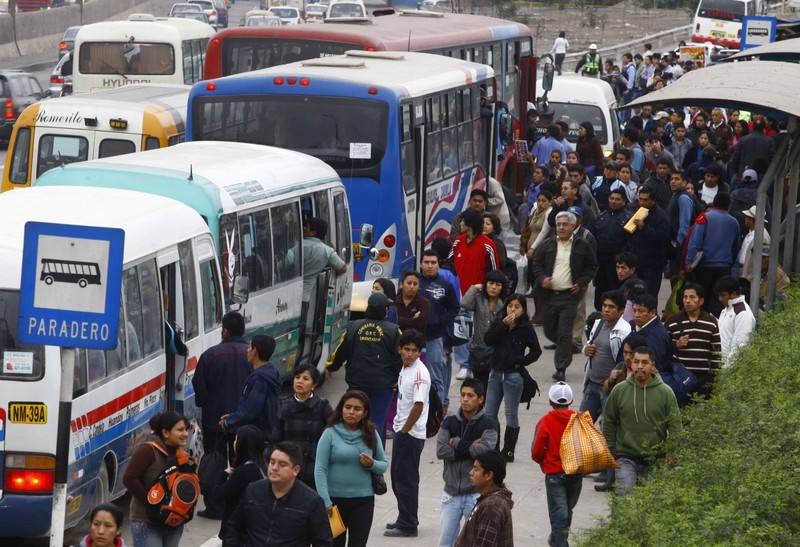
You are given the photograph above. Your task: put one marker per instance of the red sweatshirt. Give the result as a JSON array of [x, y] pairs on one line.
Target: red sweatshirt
[[473, 260], [547, 440]]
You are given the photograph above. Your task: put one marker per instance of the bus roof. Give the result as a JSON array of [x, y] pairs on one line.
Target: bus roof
[[397, 32], [157, 30], [210, 177], [150, 222], [407, 73]]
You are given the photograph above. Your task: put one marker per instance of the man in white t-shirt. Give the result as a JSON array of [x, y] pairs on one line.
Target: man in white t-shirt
[[413, 388]]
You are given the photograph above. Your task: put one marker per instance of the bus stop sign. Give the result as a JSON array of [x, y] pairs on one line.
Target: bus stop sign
[[70, 287]]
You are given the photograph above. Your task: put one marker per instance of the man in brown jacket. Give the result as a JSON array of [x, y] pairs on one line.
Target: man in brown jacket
[[489, 524]]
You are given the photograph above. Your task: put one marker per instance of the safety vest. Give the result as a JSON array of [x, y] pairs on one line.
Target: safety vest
[[592, 64]]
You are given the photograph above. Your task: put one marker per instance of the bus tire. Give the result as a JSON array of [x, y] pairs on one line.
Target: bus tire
[[75, 535], [48, 280], [82, 283]]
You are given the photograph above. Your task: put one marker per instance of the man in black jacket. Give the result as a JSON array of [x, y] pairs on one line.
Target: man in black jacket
[[611, 238], [369, 347], [280, 510], [564, 266]]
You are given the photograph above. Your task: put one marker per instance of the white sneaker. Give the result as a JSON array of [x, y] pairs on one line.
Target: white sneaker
[[462, 374]]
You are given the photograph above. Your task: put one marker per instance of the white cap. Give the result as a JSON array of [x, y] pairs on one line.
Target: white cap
[[592, 46], [561, 394]]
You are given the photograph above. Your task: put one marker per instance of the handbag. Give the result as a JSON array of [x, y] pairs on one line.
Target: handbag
[[480, 357], [530, 387], [335, 519], [379, 484], [463, 325], [583, 448], [211, 464]]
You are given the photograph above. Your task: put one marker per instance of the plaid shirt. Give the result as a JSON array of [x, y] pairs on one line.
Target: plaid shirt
[[489, 523], [303, 423]]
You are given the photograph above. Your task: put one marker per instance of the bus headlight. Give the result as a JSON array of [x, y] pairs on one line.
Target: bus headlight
[[376, 270]]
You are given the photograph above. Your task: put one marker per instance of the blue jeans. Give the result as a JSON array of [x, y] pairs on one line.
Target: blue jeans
[[453, 509], [150, 534], [594, 399], [563, 492], [461, 354], [379, 400], [436, 365], [627, 475], [508, 385]]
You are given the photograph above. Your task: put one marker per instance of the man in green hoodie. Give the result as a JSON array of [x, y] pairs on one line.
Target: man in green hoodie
[[640, 414]]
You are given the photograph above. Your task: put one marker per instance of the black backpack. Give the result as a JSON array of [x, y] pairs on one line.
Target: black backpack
[[435, 413]]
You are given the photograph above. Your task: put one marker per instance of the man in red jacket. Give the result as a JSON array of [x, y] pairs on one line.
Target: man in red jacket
[[563, 490]]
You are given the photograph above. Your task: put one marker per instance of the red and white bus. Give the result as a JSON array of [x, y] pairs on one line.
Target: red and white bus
[[506, 46]]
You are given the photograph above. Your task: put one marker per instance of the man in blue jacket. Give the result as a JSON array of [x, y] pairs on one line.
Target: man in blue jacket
[[444, 308], [259, 402], [647, 323], [649, 241], [716, 235]]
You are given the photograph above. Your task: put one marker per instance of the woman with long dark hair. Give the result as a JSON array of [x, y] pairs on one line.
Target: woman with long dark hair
[[486, 301], [515, 346], [348, 453], [170, 432], [248, 466], [590, 151], [387, 287]]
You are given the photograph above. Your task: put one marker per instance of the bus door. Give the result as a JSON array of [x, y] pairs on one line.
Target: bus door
[[415, 179], [339, 308]]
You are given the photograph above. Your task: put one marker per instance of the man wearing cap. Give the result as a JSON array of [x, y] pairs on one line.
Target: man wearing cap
[[564, 266], [640, 414], [369, 352], [589, 65], [563, 490], [716, 236], [744, 263], [605, 183]]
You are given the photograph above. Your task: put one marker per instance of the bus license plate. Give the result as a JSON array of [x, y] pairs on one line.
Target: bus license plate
[[27, 413]]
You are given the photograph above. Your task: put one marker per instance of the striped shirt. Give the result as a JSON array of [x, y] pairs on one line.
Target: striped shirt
[[704, 350]]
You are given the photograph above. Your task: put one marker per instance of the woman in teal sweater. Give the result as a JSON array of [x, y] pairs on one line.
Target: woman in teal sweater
[[348, 452]]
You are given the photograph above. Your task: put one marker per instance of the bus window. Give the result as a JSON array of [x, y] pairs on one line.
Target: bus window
[[56, 150], [134, 329], [212, 304], [96, 362], [435, 117], [115, 147], [342, 219], [21, 158], [465, 152], [151, 143], [189, 290], [152, 307], [408, 167], [286, 241], [323, 211], [452, 119], [79, 381], [449, 152], [255, 249], [115, 358]]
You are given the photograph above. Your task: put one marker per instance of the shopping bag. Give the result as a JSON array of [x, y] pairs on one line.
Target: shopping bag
[[583, 447], [335, 519]]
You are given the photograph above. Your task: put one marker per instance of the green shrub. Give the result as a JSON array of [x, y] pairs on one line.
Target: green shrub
[[736, 476]]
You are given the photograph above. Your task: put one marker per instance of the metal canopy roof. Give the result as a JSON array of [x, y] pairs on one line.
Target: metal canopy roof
[[785, 49], [760, 86]]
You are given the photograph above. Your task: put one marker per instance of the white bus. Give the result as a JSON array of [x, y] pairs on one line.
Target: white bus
[[720, 21], [170, 272], [101, 124], [254, 199], [140, 50]]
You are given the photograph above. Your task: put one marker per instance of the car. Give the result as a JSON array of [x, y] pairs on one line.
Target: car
[[61, 73], [67, 41], [194, 15], [216, 10], [438, 5], [185, 7], [260, 18], [18, 90], [288, 14], [346, 9], [315, 13]]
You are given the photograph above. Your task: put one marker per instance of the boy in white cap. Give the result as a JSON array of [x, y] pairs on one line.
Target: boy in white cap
[[563, 490]]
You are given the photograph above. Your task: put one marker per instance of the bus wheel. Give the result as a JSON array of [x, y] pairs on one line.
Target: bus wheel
[[82, 283], [48, 280], [76, 534]]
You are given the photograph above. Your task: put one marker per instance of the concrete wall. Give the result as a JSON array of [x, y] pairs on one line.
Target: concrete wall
[[39, 32]]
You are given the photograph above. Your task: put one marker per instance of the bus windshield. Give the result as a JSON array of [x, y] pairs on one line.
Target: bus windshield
[[126, 58], [574, 114], [323, 127], [247, 54], [21, 362], [727, 10]]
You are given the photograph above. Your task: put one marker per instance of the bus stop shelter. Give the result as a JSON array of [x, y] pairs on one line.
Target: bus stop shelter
[[768, 87]]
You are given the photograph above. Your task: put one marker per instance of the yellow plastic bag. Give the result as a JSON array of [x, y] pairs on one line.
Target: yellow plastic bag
[[583, 448], [335, 519]]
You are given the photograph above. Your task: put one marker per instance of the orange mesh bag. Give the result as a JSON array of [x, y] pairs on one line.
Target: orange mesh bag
[[583, 447]]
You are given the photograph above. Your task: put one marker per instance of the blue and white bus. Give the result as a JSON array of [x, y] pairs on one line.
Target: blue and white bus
[[404, 131], [254, 199], [170, 272]]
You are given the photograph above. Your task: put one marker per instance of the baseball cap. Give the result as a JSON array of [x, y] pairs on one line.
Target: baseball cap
[[751, 212], [611, 164], [378, 301], [561, 394], [660, 115], [765, 250], [592, 46], [576, 210], [749, 175]]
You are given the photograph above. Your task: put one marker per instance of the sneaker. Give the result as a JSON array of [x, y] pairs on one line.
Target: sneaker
[[389, 434], [398, 533], [462, 374]]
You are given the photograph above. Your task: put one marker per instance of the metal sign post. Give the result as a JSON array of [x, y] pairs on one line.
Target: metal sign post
[[69, 297]]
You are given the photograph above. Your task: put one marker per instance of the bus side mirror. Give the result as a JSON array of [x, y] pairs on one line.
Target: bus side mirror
[[506, 128], [547, 78], [241, 291], [367, 235]]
